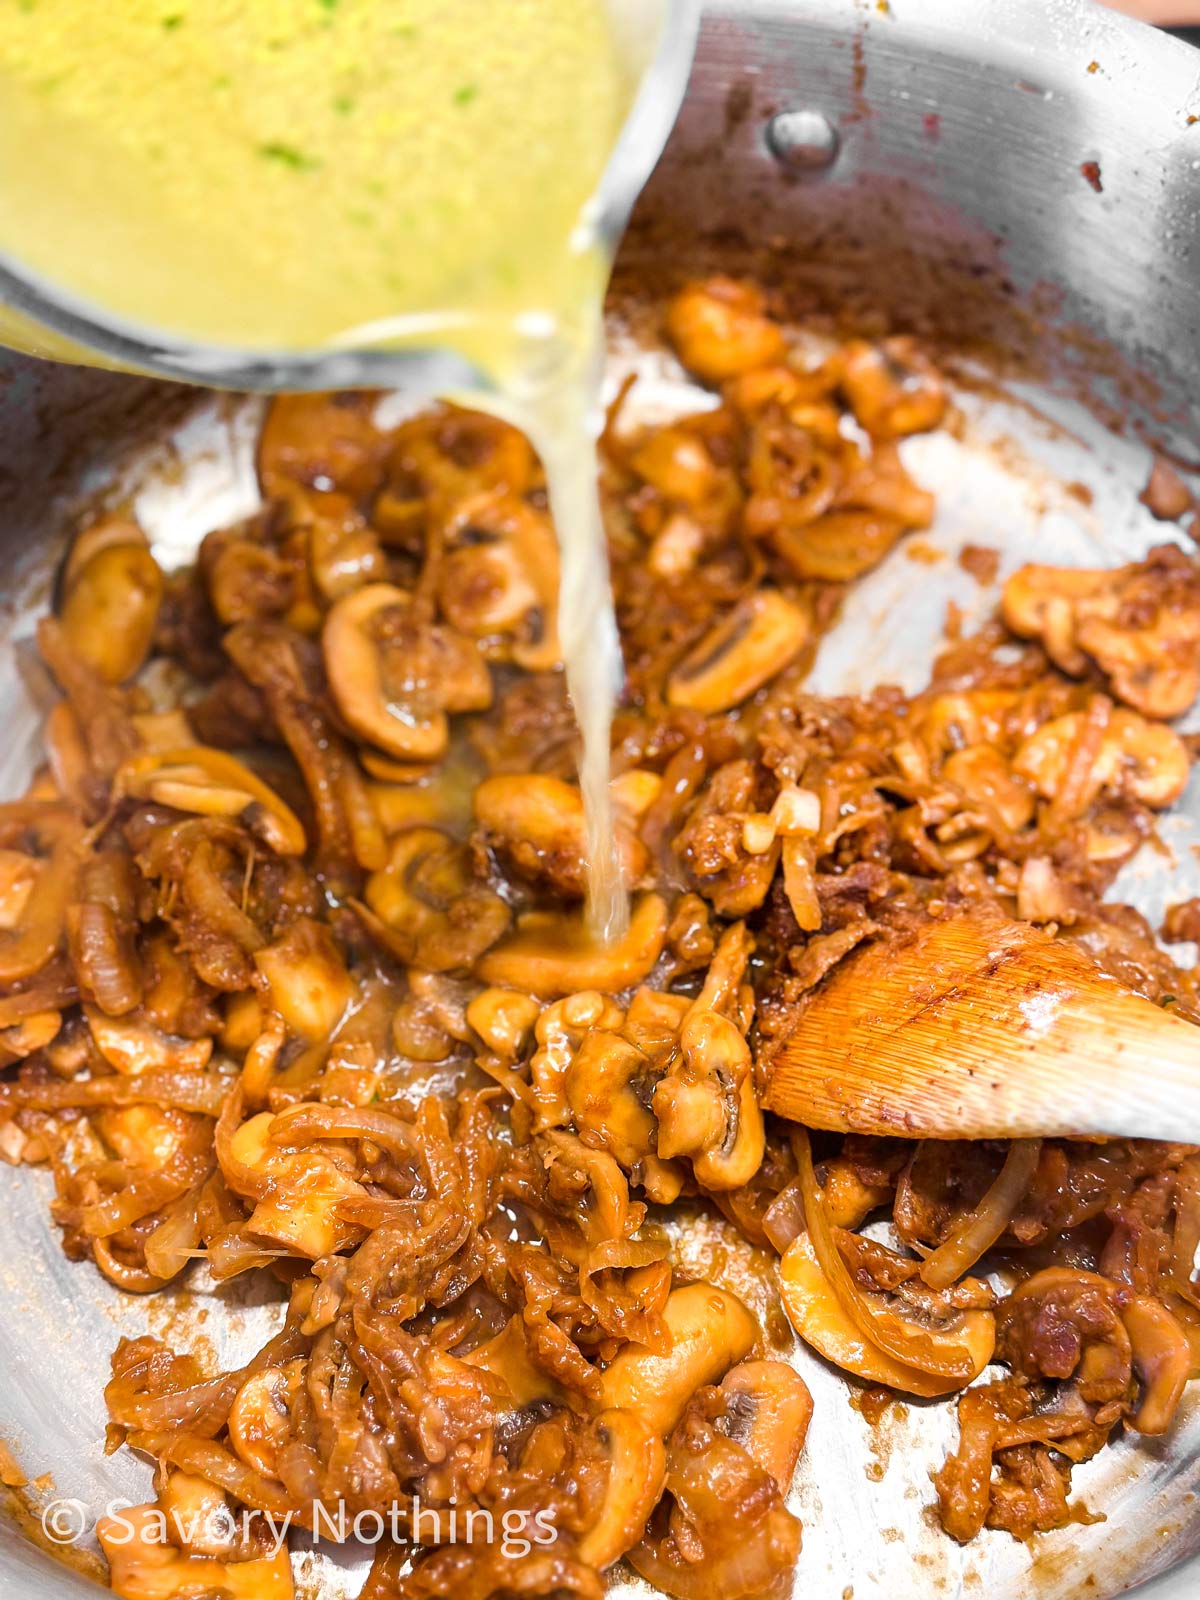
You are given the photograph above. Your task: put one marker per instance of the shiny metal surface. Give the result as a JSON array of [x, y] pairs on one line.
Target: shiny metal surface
[[957, 205]]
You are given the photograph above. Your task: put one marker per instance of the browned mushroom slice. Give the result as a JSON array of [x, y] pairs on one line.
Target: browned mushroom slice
[[132, 1044], [719, 328], [504, 1019], [536, 826], [141, 1563], [432, 913], [637, 1466], [310, 442], [711, 1331], [210, 783], [769, 1408], [306, 979], [298, 1186], [42, 846], [552, 954], [258, 1418], [763, 634], [839, 546], [394, 677], [893, 388], [499, 581], [966, 1338], [1139, 623], [1144, 758], [112, 591], [706, 1105], [1162, 1359]]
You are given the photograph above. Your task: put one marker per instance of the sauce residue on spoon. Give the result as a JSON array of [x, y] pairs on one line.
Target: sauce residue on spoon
[[291, 176]]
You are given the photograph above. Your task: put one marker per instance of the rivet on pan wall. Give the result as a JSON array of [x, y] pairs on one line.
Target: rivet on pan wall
[[804, 140]]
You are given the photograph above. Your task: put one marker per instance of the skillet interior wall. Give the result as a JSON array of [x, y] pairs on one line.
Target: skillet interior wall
[[1017, 183]]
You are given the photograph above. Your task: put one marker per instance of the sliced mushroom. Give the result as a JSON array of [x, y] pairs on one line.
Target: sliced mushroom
[[18, 875], [258, 1419], [893, 388], [504, 1019], [343, 552], [1145, 758], [536, 825], [142, 1567], [1041, 601], [427, 1024], [601, 1087], [768, 1410], [711, 1331], [763, 634], [198, 1516], [677, 547], [50, 837], [818, 1317], [306, 978], [560, 1030], [132, 1045], [676, 461], [112, 591], [552, 954], [31, 1033], [297, 1192], [719, 328], [1162, 1359], [635, 791], [312, 441], [442, 458], [595, 1193], [848, 1197], [499, 579], [983, 775], [637, 1469], [434, 913], [839, 546], [793, 480], [506, 1356], [706, 1105], [1139, 623], [394, 677], [211, 783]]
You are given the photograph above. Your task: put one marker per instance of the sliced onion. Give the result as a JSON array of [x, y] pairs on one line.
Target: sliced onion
[[104, 958], [202, 1092], [144, 1194], [243, 1180], [914, 1346], [631, 1311], [133, 1280], [171, 1246], [309, 1123], [977, 1232], [783, 1219], [221, 1467], [54, 988]]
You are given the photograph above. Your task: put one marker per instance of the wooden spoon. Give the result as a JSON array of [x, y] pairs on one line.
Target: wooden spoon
[[981, 1028]]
